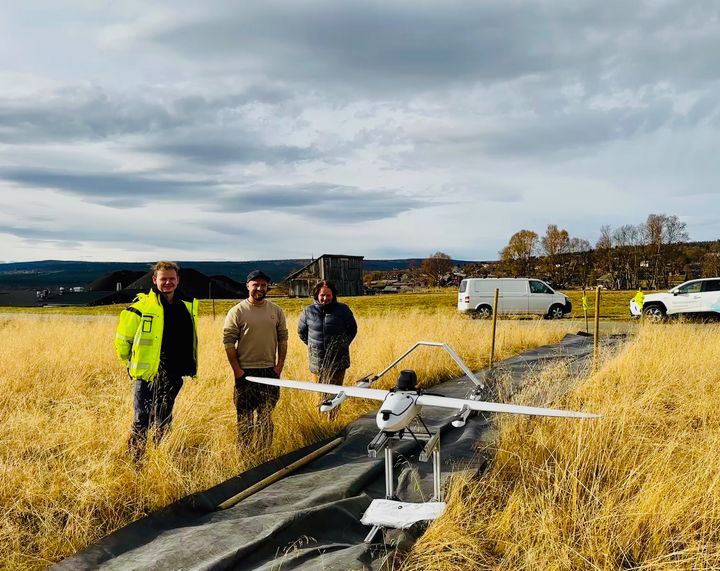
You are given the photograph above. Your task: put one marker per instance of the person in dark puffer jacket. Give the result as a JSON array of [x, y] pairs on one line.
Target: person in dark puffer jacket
[[327, 327]]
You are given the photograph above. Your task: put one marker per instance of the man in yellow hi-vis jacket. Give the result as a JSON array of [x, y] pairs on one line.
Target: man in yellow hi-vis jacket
[[157, 339]]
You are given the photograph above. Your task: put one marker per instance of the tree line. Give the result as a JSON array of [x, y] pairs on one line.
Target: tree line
[[652, 255]]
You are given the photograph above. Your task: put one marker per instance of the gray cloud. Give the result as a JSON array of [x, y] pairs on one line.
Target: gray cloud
[[330, 203], [222, 227], [367, 43], [233, 110], [225, 152], [541, 123], [95, 113], [79, 114], [119, 190], [573, 132], [341, 52], [207, 131], [59, 235], [389, 45], [320, 201], [626, 65], [489, 192], [75, 236]]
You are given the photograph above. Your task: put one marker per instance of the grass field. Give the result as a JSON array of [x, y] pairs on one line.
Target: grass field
[[613, 304], [65, 412], [638, 489]]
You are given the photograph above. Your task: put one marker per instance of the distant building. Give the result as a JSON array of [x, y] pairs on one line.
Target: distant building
[[346, 272]]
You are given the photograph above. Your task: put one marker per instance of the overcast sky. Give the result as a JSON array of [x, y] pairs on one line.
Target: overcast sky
[[218, 130]]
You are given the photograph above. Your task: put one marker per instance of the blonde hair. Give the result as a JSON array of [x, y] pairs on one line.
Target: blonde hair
[[165, 266]]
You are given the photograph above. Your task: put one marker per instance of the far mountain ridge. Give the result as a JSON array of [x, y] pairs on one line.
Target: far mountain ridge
[[75, 273]]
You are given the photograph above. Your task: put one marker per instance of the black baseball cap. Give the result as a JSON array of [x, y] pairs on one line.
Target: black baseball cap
[[258, 275]]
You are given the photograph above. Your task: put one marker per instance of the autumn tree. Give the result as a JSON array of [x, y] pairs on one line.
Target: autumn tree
[[517, 257], [555, 241], [628, 243], [577, 263], [663, 234], [554, 244], [648, 252], [604, 259], [619, 254], [711, 261], [626, 256], [435, 267]]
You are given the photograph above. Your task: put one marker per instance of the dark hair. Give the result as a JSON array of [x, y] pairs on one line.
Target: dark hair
[[321, 284]]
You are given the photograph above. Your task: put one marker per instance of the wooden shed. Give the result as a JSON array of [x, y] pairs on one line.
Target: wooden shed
[[346, 272]]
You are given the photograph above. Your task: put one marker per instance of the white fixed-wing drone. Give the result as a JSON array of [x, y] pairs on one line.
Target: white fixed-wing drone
[[401, 407], [403, 403]]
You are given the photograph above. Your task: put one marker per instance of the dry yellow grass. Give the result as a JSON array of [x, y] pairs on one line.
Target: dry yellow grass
[[65, 411], [637, 489]]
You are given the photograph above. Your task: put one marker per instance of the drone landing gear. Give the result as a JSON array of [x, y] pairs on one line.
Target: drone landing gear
[[390, 512]]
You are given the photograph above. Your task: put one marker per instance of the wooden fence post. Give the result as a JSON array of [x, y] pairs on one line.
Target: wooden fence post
[[494, 327], [596, 337]]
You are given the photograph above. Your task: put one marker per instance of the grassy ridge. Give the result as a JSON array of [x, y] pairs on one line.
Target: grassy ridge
[[613, 304]]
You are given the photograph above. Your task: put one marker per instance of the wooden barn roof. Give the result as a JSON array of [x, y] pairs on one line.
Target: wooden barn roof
[[297, 273]]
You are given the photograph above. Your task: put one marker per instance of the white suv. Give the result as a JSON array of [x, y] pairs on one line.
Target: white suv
[[694, 296]]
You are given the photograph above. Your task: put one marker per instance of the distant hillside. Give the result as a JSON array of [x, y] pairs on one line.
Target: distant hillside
[[55, 273]]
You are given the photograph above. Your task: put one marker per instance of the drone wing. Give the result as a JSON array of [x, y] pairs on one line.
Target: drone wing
[[351, 391], [458, 404], [423, 400]]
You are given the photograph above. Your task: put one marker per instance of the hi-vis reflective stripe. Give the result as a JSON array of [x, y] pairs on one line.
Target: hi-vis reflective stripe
[[140, 366], [123, 337], [145, 342]]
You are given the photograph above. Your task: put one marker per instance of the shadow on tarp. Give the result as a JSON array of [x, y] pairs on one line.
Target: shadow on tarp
[[311, 518]]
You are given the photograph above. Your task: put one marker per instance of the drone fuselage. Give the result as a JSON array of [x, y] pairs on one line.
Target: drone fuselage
[[398, 410]]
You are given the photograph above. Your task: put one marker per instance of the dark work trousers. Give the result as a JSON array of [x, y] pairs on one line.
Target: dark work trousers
[[254, 404], [153, 405]]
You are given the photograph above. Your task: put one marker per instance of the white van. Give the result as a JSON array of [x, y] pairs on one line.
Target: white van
[[524, 296]]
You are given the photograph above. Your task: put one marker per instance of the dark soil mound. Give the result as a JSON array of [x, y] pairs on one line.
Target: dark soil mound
[[108, 282], [194, 284], [230, 284]]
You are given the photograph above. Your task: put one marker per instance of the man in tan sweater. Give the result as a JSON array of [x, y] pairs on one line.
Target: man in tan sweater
[[256, 338]]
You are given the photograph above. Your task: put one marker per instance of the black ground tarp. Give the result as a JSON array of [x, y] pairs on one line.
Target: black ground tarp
[[310, 520]]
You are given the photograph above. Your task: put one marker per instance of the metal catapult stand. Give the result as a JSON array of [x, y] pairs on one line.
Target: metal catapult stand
[[383, 441], [378, 509]]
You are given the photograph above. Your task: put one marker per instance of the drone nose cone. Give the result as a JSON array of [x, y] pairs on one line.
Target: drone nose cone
[[396, 412], [390, 424]]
